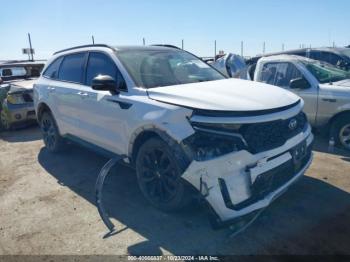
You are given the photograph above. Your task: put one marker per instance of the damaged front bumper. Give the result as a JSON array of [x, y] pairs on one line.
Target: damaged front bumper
[[238, 183], [20, 113]]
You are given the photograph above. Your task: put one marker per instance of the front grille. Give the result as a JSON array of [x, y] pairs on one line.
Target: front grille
[[268, 135], [277, 177], [266, 182]]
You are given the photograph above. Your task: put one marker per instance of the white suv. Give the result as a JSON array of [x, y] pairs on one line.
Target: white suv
[[181, 123]]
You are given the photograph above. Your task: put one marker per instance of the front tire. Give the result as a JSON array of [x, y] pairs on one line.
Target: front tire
[[341, 131], [52, 140], [159, 176]]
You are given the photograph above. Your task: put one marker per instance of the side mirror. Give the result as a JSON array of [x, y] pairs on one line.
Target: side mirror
[[299, 83], [105, 83]]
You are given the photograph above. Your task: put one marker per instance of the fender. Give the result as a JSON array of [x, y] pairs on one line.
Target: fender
[[141, 134]]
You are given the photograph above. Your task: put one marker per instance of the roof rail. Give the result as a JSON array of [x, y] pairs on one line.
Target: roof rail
[[82, 46], [166, 45]]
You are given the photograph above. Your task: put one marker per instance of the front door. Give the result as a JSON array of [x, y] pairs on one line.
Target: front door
[[103, 115], [280, 74]]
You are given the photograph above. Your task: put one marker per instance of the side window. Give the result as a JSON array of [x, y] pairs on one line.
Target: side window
[[101, 64], [326, 57], [52, 70], [273, 73], [331, 58], [315, 55], [71, 68], [279, 74], [7, 72], [292, 73]]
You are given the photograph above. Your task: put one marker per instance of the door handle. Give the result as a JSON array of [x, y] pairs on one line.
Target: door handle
[[83, 94], [51, 89]]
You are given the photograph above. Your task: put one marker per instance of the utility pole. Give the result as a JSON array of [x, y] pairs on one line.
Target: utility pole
[[214, 50], [282, 47], [144, 41], [182, 44], [93, 39], [264, 48], [241, 48], [333, 44], [30, 46]]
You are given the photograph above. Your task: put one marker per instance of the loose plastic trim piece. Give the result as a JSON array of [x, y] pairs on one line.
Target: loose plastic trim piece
[[98, 189]]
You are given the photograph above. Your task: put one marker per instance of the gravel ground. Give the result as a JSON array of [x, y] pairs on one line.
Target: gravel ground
[[47, 207]]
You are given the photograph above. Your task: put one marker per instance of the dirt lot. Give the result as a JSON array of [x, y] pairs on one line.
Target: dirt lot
[[47, 207]]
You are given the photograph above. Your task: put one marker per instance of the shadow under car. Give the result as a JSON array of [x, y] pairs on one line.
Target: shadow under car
[[308, 219]]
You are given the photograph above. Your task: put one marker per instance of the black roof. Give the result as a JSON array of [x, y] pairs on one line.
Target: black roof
[[336, 50], [122, 48]]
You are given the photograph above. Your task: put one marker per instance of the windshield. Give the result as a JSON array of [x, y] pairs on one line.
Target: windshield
[[150, 68], [326, 73]]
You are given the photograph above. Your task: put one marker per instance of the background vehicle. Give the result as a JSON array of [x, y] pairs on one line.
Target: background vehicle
[[17, 104], [14, 70], [339, 57], [181, 123], [231, 65], [16, 93], [324, 88]]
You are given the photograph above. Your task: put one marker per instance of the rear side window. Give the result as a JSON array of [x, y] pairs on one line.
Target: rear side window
[[331, 58], [7, 72], [72, 67], [52, 70], [327, 57], [101, 64], [315, 55]]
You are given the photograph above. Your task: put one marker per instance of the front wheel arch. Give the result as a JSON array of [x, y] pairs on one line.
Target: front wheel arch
[[144, 134], [336, 124], [180, 194], [335, 118], [42, 107]]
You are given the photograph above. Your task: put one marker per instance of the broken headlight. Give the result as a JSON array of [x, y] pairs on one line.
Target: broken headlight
[[214, 140], [17, 98]]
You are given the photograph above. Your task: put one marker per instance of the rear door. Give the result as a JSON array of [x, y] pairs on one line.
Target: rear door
[[102, 115], [280, 74], [67, 88]]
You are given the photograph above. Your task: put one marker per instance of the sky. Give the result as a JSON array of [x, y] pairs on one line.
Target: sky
[[59, 24]]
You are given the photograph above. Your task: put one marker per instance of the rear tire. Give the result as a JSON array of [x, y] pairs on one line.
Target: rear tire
[[159, 176], [52, 139], [341, 131]]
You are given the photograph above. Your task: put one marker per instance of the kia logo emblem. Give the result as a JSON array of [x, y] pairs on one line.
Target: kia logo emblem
[[292, 124]]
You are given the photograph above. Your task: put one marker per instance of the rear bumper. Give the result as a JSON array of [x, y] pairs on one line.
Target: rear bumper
[[239, 183]]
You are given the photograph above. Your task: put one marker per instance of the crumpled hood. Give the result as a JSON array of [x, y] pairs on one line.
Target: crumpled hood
[[225, 95], [27, 84]]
